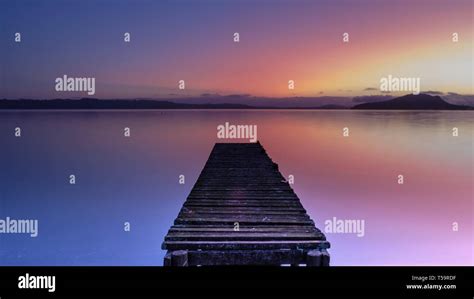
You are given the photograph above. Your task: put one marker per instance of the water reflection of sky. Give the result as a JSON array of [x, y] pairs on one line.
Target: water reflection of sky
[[136, 179]]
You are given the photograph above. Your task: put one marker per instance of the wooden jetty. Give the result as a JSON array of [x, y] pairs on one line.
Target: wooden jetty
[[242, 211]]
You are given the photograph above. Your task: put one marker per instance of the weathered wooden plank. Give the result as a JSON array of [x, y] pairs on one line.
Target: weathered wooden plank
[[225, 214], [247, 181], [243, 175], [250, 234], [242, 209], [245, 236], [245, 257], [244, 218], [242, 228], [240, 204], [242, 198], [241, 193], [230, 189], [239, 211], [275, 201], [223, 186], [247, 177], [242, 235], [246, 221], [246, 245]]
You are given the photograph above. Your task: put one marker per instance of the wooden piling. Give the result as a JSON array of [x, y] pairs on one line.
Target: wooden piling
[[313, 258], [325, 258], [179, 258], [167, 260]]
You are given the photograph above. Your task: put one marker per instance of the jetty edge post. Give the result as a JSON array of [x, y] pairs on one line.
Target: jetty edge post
[[167, 259], [325, 258], [313, 258], [179, 258]]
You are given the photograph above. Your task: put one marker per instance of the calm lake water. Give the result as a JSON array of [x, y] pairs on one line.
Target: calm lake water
[[135, 179]]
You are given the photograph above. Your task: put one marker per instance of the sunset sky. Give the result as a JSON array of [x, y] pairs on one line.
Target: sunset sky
[[193, 41]]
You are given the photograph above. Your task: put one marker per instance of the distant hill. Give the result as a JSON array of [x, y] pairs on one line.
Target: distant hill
[[89, 103], [109, 104], [413, 102], [408, 102]]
